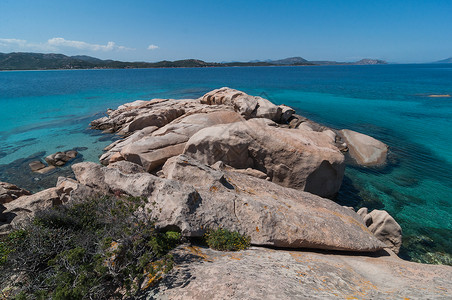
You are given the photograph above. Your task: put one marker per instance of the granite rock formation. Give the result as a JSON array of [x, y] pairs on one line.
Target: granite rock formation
[[364, 149], [259, 273]]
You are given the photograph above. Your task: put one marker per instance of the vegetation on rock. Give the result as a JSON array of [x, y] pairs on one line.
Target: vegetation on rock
[[99, 248], [224, 240]]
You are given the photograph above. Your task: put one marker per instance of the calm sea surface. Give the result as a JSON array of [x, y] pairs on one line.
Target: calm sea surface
[[47, 111]]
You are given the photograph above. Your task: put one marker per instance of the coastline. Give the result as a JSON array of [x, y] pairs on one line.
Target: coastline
[[400, 189], [189, 193]]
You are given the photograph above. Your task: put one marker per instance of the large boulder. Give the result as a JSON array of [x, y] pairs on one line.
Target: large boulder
[[300, 159], [384, 227], [269, 213], [207, 198], [259, 273], [364, 149], [10, 192]]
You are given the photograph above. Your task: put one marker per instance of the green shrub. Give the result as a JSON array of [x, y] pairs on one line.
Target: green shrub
[[225, 240], [86, 250]]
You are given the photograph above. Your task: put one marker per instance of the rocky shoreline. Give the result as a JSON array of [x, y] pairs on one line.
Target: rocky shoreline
[[239, 162]]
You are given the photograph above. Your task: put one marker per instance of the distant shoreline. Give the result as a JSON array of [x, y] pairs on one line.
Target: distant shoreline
[[19, 61], [210, 67]]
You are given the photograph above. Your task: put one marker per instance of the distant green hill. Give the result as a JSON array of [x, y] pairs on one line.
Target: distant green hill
[[41, 61], [291, 61]]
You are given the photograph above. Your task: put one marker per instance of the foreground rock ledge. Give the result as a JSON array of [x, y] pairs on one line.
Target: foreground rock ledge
[[260, 273]]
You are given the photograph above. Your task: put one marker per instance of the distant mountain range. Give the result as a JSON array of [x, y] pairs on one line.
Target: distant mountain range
[[444, 61], [41, 61]]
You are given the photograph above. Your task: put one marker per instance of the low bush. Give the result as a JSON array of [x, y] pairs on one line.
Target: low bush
[[225, 240], [100, 248]]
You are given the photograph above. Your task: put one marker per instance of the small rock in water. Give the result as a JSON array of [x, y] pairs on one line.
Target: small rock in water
[[36, 165], [61, 158], [10, 192]]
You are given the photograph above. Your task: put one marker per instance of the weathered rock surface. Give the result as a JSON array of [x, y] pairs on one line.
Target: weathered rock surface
[[305, 156], [268, 213], [220, 203], [384, 227], [127, 167], [305, 160], [364, 149], [260, 273], [10, 192], [248, 106], [134, 116], [25, 207], [61, 158]]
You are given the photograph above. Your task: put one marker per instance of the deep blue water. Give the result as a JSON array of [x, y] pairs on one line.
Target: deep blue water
[[50, 111]]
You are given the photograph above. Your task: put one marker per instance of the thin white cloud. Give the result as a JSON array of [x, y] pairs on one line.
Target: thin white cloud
[[23, 45], [152, 47], [61, 42], [58, 43]]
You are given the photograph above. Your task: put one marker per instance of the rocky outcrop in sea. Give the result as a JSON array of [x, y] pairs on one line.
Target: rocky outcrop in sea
[[239, 162]]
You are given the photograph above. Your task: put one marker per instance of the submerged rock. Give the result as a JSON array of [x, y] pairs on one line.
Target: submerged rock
[[36, 165], [59, 159]]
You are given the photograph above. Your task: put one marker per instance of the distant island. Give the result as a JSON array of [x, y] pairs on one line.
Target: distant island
[[42, 61], [444, 61]]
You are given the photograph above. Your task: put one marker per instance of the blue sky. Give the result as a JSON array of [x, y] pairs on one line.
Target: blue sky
[[396, 31]]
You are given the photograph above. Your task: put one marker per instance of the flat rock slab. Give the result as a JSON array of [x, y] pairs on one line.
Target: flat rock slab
[[36, 165], [260, 273]]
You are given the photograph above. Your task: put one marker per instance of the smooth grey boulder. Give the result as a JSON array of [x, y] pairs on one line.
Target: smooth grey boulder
[[208, 198], [269, 213], [10, 192], [301, 159], [260, 273], [364, 149], [384, 227]]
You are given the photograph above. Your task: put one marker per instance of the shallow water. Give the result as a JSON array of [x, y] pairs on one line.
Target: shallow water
[[49, 111]]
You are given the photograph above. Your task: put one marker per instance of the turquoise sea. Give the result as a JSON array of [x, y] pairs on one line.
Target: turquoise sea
[[47, 111]]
